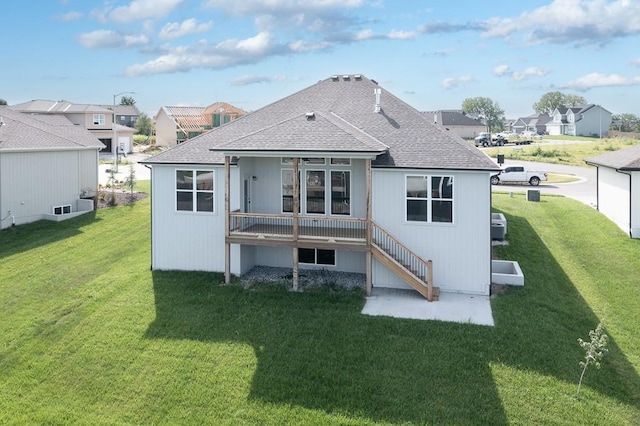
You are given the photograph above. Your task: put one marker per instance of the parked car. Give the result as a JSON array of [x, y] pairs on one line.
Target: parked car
[[519, 174], [530, 134]]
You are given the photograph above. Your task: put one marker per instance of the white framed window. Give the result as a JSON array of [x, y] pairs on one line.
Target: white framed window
[[316, 192], [341, 161], [341, 192], [99, 119], [287, 191], [194, 190], [313, 256], [429, 199]]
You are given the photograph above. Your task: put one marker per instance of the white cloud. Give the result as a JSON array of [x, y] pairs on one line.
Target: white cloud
[[174, 30], [595, 79], [364, 35], [529, 72], [70, 16], [571, 21], [246, 80], [302, 46], [142, 9], [319, 16], [401, 35], [103, 39], [226, 54], [501, 70], [453, 82]]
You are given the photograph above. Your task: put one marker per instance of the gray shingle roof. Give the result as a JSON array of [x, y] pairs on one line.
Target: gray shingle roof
[[452, 118], [627, 159], [58, 107], [23, 131], [345, 122]]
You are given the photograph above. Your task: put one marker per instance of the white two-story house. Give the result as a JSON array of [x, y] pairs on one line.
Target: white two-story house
[[585, 120]]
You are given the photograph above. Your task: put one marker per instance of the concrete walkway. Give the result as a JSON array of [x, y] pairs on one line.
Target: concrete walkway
[[409, 304], [142, 172]]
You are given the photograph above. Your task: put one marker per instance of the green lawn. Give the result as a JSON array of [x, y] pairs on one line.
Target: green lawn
[[89, 335], [569, 154]]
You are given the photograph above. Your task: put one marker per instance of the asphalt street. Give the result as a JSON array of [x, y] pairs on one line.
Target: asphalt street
[[583, 190]]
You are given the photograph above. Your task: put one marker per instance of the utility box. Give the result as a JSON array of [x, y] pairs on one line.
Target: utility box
[[501, 159], [498, 231], [533, 195]]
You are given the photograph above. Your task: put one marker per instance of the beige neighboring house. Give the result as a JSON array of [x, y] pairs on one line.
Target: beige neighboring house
[[96, 119], [176, 124], [48, 168], [457, 122]]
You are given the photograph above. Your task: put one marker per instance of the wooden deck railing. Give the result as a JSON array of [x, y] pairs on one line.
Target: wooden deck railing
[[281, 226], [404, 256]]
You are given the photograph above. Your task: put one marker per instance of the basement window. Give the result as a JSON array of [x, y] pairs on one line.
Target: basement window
[[58, 210], [312, 256]]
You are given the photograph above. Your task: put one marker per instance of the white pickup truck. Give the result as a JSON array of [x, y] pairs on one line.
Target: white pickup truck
[[517, 173]]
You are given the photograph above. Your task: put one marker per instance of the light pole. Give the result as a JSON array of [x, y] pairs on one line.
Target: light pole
[[114, 141]]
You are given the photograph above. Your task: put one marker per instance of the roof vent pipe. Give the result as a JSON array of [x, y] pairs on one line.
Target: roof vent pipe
[[377, 92]]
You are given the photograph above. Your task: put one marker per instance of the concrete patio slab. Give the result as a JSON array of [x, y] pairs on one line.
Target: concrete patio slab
[[409, 304]]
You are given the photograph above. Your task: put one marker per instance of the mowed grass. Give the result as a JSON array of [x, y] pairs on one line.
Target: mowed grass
[[89, 335], [572, 154]]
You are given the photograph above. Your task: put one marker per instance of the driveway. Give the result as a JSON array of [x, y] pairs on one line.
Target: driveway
[[583, 190], [142, 173]]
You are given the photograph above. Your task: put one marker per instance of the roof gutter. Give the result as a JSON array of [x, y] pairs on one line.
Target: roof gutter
[[56, 149]]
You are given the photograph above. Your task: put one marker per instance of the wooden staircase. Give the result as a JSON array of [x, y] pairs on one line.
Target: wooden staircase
[[407, 265]]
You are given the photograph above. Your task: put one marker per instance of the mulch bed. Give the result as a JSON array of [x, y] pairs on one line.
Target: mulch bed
[[106, 198]]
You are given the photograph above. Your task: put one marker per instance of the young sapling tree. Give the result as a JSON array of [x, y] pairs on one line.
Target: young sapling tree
[[595, 350]]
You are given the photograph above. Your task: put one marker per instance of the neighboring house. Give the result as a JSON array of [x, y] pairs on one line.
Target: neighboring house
[[380, 191], [618, 187], [96, 119], [533, 123], [176, 124], [457, 122], [48, 168], [126, 115], [586, 120]]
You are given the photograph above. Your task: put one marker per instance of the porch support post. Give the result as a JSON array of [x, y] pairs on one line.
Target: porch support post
[[227, 228], [369, 265], [296, 208]]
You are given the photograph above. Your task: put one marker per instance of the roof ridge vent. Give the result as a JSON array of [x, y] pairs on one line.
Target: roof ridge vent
[[358, 76], [346, 77], [310, 115], [334, 78]]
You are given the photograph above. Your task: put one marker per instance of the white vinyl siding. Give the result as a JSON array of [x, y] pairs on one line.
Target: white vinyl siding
[[460, 251]]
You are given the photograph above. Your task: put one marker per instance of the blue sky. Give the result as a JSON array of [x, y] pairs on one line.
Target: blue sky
[[250, 53]]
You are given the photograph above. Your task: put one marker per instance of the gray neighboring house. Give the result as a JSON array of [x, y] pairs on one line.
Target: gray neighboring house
[[533, 123], [618, 187], [126, 115], [458, 122], [343, 176], [584, 120], [48, 168]]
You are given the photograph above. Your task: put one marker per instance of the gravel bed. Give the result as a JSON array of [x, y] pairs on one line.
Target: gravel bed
[[307, 278]]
